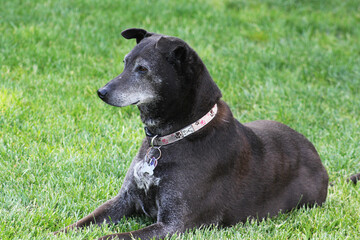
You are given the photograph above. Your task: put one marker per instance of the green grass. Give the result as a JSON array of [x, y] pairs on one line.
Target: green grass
[[64, 152]]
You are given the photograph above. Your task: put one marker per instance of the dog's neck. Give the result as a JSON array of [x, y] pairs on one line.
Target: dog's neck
[[184, 132], [189, 103], [164, 121]]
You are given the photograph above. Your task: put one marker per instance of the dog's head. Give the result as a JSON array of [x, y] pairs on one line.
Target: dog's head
[[161, 72]]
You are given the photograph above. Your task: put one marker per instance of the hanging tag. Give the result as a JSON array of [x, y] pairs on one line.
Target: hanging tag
[[152, 155], [150, 163], [148, 168], [153, 161]]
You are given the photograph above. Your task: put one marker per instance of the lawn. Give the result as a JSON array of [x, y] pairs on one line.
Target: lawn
[[63, 151]]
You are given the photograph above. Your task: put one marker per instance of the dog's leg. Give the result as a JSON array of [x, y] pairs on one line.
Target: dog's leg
[[157, 231], [111, 211], [171, 219]]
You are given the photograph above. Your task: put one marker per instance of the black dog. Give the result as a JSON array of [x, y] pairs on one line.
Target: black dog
[[197, 164]]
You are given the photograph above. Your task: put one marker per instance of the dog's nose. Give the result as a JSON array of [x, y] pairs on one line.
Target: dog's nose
[[102, 93]]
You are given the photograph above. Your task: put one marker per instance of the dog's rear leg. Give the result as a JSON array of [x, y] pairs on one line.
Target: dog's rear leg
[[111, 211]]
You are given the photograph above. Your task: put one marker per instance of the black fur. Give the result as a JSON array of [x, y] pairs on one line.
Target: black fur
[[222, 174], [354, 178], [137, 33]]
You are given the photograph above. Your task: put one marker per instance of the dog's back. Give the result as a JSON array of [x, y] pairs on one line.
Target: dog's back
[[288, 168]]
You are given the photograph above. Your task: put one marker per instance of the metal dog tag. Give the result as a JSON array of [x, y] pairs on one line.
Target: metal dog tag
[[149, 169], [144, 174]]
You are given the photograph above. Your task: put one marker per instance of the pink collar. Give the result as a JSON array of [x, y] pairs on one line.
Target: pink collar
[[184, 132]]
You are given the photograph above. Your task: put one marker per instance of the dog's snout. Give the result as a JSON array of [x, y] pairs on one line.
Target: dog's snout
[[102, 92]]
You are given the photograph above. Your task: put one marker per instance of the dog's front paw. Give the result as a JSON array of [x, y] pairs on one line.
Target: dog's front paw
[[122, 236], [63, 230], [56, 233]]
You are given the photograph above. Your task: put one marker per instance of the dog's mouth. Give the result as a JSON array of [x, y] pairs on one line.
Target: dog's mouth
[[117, 105]]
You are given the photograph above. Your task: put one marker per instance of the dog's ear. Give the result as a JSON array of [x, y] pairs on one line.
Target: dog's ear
[[174, 48], [137, 33]]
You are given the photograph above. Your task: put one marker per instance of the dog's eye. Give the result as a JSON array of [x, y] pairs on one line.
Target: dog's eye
[[141, 69]]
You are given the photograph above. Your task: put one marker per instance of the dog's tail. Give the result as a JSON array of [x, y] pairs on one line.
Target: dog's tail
[[354, 178]]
